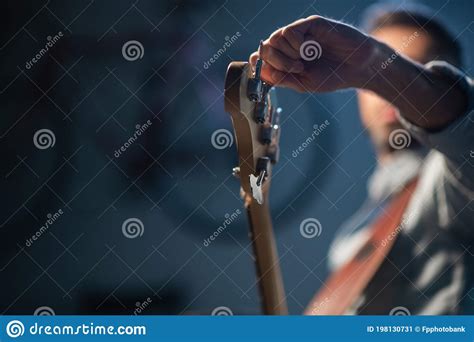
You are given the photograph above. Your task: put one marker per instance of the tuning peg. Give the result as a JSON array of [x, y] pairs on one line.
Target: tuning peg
[[261, 177], [276, 118], [254, 89], [268, 132], [260, 112], [262, 164], [255, 84], [274, 154], [266, 135]]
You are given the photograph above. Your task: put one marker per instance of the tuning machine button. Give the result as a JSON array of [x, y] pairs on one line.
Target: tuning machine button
[[276, 118], [270, 130], [255, 85], [266, 135], [262, 164], [273, 150], [254, 89], [260, 112], [274, 154]]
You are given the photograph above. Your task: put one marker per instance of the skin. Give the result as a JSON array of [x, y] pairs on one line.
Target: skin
[[351, 59], [378, 115]]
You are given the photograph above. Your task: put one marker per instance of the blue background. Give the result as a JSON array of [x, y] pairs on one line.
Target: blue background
[[173, 179]]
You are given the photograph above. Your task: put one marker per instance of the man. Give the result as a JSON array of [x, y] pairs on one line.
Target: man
[[403, 93]]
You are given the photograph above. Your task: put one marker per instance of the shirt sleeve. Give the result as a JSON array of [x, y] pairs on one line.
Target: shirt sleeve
[[456, 141]]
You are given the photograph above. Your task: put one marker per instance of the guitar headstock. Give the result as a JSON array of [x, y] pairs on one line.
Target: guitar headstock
[[255, 117]]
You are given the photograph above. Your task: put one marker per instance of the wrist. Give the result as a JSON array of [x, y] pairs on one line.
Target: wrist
[[381, 60]]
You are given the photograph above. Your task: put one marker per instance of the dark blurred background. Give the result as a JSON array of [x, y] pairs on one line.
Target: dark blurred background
[[89, 97]]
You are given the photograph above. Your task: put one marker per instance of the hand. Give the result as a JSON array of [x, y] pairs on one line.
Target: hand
[[291, 54]]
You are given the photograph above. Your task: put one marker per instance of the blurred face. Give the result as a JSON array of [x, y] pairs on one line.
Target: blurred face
[[378, 115]]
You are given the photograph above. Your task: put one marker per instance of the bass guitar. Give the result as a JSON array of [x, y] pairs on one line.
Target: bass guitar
[[255, 116]]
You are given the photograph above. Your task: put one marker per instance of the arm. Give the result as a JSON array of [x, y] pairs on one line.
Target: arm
[[350, 58], [426, 98]]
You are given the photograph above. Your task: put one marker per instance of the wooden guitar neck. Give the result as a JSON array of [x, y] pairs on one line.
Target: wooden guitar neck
[[257, 135], [266, 259]]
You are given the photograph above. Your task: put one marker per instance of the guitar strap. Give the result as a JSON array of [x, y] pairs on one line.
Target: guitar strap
[[347, 284]]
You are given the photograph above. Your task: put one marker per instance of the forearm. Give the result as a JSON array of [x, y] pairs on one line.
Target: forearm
[[425, 98]]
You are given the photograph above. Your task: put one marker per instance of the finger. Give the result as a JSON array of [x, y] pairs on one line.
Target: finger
[[291, 65], [275, 77], [279, 60], [279, 78], [253, 60], [266, 68], [295, 32], [279, 42]]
